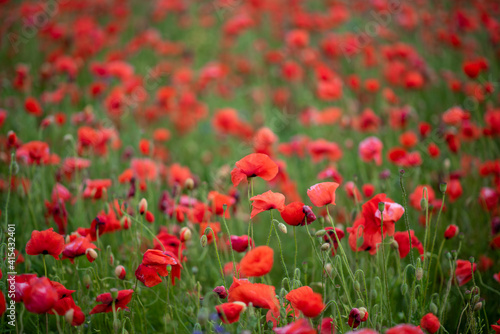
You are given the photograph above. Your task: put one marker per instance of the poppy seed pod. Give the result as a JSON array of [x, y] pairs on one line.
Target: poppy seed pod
[[143, 206], [381, 206], [114, 293], [443, 186]]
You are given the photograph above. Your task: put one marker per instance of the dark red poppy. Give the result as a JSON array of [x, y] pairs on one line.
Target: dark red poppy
[[295, 215], [154, 264], [240, 243], [463, 271], [45, 242], [403, 241], [300, 326], [430, 323], [451, 231], [39, 296], [106, 301], [77, 247]]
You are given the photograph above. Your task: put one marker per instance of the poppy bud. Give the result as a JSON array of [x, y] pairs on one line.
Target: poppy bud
[[448, 255], [283, 293], [442, 187], [189, 184], [357, 286], [203, 240], [86, 281], [221, 292], [394, 244], [329, 268], [446, 164], [475, 290], [282, 227], [169, 268], [125, 222], [185, 234], [325, 247], [116, 325], [471, 259], [111, 259], [419, 274], [433, 308], [320, 233], [475, 299], [381, 206], [68, 316], [423, 204], [91, 254], [114, 293], [451, 231], [478, 306], [120, 272], [150, 218], [143, 206], [11, 138], [404, 288]]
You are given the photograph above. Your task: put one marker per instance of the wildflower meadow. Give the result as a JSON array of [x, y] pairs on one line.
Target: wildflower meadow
[[250, 166]]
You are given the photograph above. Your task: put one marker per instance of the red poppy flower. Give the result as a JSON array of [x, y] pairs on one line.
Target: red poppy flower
[[106, 302], [154, 263], [45, 242], [260, 295], [300, 326], [257, 262], [77, 247], [240, 244], [33, 107], [403, 241], [267, 201], [417, 195], [39, 296], [357, 316], [218, 201], [430, 323], [331, 236], [255, 164], [34, 153], [95, 189], [404, 329], [496, 328], [295, 215], [321, 149], [3, 304], [464, 271], [327, 326], [451, 231], [230, 312], [322, 194], [67, 304], [306, 301], [370, 149]]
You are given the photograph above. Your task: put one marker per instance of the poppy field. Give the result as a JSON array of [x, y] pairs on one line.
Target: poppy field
[[250, 166]]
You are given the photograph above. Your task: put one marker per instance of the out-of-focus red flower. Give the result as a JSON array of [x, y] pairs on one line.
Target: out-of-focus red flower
[[306, 301], [404, 329], [230, 312], [322, 194], [451, 231], [240, 243], [155, 263], [370, 149], [464, 271], [300, 326], [257, 262], [403, 241], [106, 302], [255, 164]]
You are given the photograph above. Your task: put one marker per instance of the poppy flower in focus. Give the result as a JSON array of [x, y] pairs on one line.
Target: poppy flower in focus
[[106, 302], [39, 296], [257, 262], [464, 271], [430, 323], [404, 329], [77, 247], [45, 242], [67, 304], [300, 326], [403, 241], [295, 215], [230, 312], [357, 316], [156, 262], [254, 165], [267, 201], [322, 194], [306, 301]]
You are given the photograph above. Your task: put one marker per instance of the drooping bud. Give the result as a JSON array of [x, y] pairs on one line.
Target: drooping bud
[[478, 306], [125, 223], [419, 274], [68, 316], [143, 206], [203, 240], [91, 254], [86, 280], [325, 247], [320, 233], [282, 228], [120, 272], [423, 203], [185, 234], [404, 288], [357, 286], [433, 308]]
